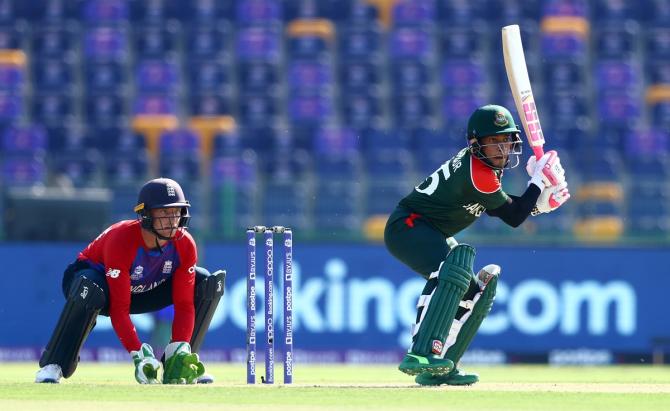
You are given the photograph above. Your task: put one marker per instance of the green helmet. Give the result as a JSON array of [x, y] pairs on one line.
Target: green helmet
[[491, 120]]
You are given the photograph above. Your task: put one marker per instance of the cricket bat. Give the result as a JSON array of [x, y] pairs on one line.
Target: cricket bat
[[517, 75]]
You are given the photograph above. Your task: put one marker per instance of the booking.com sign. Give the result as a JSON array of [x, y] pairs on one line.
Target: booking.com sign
[[333, 301]]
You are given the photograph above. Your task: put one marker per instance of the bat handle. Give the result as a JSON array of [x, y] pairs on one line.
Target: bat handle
[[538, 151]]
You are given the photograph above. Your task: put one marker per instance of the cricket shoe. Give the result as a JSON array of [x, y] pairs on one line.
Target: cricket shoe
[[414, 364], [50, 373], [205, 379], [455, 377]]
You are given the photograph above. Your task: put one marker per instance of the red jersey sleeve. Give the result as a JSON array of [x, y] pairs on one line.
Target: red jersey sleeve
[[119, 251], [183, 284]]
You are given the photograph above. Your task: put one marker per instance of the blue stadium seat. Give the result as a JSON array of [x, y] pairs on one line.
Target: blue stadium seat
[[411, 76], [617, 108], [54, 40], [362, 109], [457, 108], [13, 35], [618, 75], [619, 40], [52, 108], [566, 108], [106, 44], [563, 46], [211, 103], [20, 140], [310, 108], [24, 171], [52, 74], [155, 104], [105, 12], [259, 44], [660, 114], [359, 43], [258, 109], [209, 75], [607, 167], [129, 169], [613, 11], [389, 164], [105, 108], [336, 140], [564, 75], [412, 43], [157, 41], [207, 41], [81, 167], [460, 13], [227, 144], [386, 139], [646, 141], [107, 76], [414, 109], [258, 76], [116, 139], [338, 167], [464, 74], [308, 48], [359, 76], [12, 78], [658, 71], [413, 13], [657, 43], [464, 42], [258, 13], [157, 75], [309, 76], [70, 136]]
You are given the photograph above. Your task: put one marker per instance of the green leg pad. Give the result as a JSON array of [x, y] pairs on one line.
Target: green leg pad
[[453, 281], [480, 310]]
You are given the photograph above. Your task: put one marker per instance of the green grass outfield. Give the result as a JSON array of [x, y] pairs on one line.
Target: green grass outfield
[[101, 387]]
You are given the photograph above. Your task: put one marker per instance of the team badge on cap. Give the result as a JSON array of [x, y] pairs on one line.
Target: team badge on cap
[[500, 120]]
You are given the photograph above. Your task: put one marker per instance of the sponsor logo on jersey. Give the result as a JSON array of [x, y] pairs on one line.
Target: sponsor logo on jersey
[[84, 293], [113, 273], [475, 209], [167, 267], [437, 347], [141, 288], [137, 273]]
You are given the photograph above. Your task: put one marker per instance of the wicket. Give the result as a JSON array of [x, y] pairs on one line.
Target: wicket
[[269, 303]]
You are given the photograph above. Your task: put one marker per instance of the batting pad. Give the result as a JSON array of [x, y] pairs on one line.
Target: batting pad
[[84, 302], [207, 296], [439, 302], [464, 329]]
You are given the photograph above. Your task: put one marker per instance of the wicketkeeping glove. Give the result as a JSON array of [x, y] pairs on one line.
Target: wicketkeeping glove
[[146, 365], [181, 366]]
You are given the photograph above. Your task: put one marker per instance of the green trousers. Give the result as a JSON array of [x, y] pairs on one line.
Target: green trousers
[[414, 241]]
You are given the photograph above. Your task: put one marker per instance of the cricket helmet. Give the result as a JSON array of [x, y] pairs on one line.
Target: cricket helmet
[[492, 120], [161, 193]]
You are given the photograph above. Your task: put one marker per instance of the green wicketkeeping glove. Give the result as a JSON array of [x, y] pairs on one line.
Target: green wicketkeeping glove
[[146, 365], [181, 366]]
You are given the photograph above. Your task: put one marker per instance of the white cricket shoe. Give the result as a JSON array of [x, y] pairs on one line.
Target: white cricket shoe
[[205, 379], [50, 373]]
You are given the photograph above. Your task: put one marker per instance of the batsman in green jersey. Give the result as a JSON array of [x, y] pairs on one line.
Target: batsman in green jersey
[[420, 233]]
